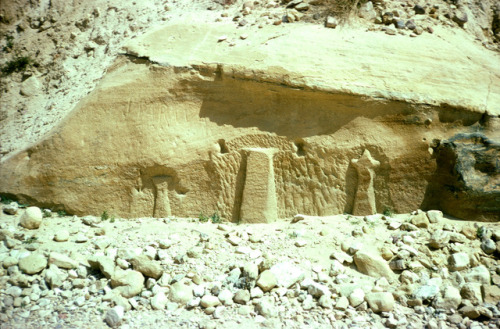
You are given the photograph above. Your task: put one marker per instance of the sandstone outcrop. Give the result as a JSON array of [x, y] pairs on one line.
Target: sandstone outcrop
[[168, 129]]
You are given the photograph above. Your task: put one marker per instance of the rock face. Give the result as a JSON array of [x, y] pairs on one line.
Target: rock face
[[467, 176], [179, 146]]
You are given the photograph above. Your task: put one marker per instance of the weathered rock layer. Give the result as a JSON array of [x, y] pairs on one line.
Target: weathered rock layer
[[170, 130]]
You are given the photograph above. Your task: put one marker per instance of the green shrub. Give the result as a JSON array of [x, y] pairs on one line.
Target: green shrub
[[18, 64], [104, 216], [388, 212], [30, 240], [9, 43]]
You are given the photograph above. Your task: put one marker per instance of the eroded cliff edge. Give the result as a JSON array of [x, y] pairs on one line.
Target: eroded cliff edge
[[194, 118]]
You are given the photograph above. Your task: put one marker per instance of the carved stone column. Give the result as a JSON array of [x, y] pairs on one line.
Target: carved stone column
[[162, 202], [364, 201], [259, 203]]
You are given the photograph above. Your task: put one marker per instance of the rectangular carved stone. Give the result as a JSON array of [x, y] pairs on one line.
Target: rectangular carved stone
[[259, 203]]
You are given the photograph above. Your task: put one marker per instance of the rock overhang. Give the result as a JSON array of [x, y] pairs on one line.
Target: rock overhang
[[447, 68]]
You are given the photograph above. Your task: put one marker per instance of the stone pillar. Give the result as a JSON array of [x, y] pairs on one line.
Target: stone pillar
[[162, 202], [259, 203], [364, 201]]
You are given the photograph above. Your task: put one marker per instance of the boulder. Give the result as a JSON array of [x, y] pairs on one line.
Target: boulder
[[265, 307], [479, 274], [62, 261], [114, 316], [372, 264], [287, 274], [267, 281], [380, 301], [420, 220], [159, 301], [146, 266], [458, 261], [180, 293], [32, 264], [31, 218], [127, 283], [450, 299]]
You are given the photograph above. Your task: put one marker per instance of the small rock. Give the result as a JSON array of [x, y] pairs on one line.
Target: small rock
[[439, 239], [195, 302], [434, 216], [250, 271], [472, 292], [62, 261], [226, 297], [488, 246], [147, 266], [127, 283], [33, 264], [419, 10], [234, 240], [81, 238], [61, 236], [426, 292], [256, 292], [287, 274], [342, 257], [14, 291], [267, 281], [91, 220], [357, 297], [460, 18], [159, 301], [55, 277], [209, 301], [297, 218], [336, 268], [114, 316], [331, 22], [457, 237], [105, 264], [469, 231], [400, 24], [242, 297], [32, 218], [420, 220], [458, 261], [450, 299], [31, 86], [180, 293], [303, 6], [372, 264], [470, 311], [491, 294], [300, 243], [317, 290], [479, 274], [11, 208], [265, 307], [410, 25], [367, 11], [380, 301], [342, 303]]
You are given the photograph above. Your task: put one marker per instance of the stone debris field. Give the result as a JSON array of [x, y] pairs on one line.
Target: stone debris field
[[419, 270]]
